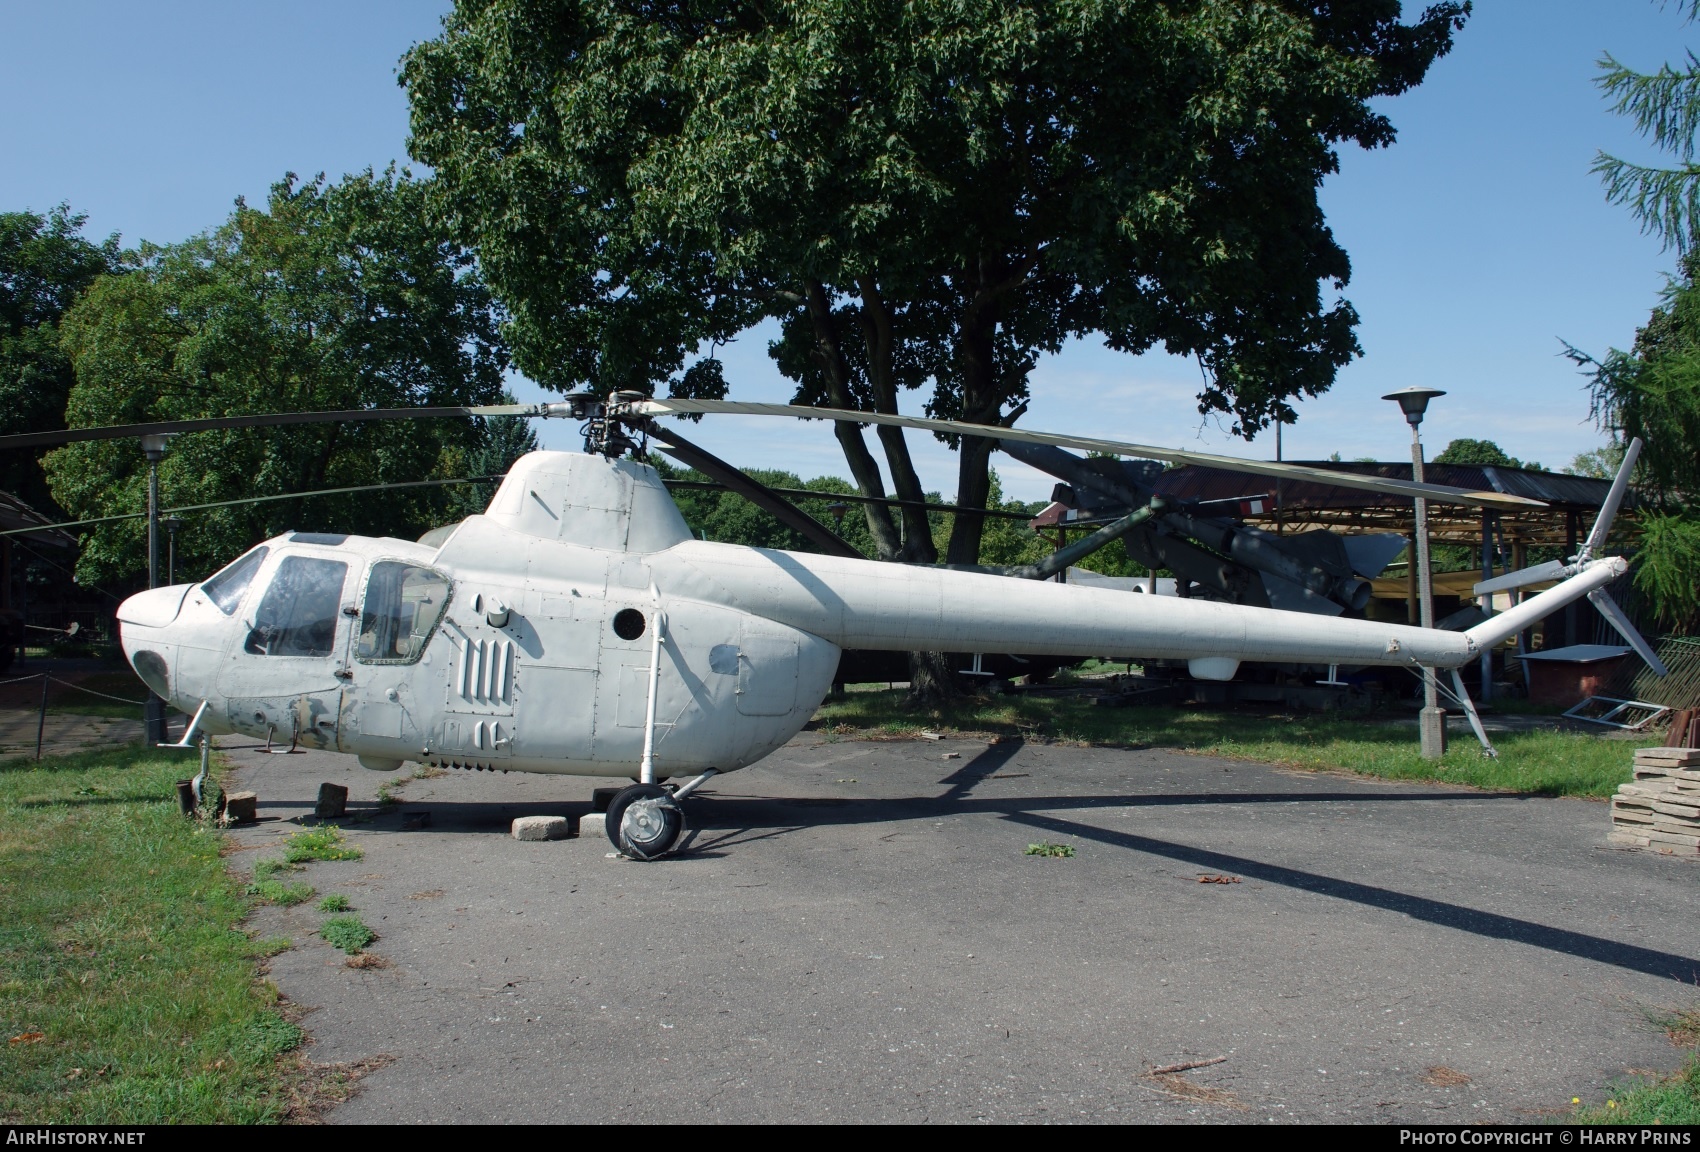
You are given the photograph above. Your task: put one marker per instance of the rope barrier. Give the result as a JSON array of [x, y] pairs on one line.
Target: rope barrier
[[76, 687], [92, 692]]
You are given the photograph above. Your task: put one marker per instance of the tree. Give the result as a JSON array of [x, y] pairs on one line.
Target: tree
[[501, 440], [334, 296], [1653, 391], [1467, 451], [1665, 106], [925, 193], [45, 265]]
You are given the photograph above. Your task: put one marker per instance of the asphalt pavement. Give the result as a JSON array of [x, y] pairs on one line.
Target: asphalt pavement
[[857, 933]]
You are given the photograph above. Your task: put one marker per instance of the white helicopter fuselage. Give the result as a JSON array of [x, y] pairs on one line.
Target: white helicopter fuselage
[[576, 621]]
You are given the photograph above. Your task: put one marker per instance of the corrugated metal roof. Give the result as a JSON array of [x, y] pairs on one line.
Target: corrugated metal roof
[[1565, 493], [14, 513]]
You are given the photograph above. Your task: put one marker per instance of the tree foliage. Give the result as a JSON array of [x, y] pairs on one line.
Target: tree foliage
[[927, 195], [1665, 106], [1467, 451], [45, 265], [342, 295]]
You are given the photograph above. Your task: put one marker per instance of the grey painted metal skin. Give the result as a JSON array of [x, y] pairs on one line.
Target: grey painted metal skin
[[525, 669]]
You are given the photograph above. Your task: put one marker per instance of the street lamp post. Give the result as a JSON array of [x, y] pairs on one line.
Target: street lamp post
[[153, 447], [1414, 403], [171, 524]]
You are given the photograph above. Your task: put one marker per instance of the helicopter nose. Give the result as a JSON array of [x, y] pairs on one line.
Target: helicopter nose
[[143, 623], [155, 608]]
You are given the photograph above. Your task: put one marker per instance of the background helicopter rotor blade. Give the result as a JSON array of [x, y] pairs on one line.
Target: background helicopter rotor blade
[[271, 419], [1438, 492], [754, 491]]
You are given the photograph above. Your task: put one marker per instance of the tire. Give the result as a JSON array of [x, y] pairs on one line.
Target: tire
[[664, 822]]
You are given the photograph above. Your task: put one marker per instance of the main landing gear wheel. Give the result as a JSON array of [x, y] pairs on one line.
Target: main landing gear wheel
[[644, 822]]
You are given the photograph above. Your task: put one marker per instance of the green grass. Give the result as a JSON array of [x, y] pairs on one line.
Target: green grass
[[1545, 763], [121, 946], [335, 902], [349, 933], [1675, 1100]]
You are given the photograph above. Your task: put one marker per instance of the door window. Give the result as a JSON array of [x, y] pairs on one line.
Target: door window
[[297, 616], [403, 604]]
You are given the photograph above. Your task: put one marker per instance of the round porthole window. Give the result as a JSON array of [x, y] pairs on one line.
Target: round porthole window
[[628, 623]]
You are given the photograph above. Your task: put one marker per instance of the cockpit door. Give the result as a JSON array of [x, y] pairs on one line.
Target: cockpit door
[[280, 675]]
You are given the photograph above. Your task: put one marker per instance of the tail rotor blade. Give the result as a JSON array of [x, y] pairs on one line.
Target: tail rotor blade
[[1523, 577], [1601, 599], [1614, 500]]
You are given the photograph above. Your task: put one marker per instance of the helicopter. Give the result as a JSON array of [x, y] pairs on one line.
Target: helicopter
[[577, 627]]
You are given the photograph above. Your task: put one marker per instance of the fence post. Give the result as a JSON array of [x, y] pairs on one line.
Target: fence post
[[41, 719]]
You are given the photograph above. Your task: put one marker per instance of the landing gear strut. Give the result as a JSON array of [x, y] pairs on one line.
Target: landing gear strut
[[645, 821]]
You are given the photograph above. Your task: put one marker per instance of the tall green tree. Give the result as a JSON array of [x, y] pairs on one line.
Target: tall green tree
[[927, 195], [1665, 106], [45, 265], [1653, 391], [342, 295]]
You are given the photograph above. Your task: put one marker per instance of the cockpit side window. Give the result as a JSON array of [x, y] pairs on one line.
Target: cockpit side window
[[404, 602], [297, 616], [225, 588]]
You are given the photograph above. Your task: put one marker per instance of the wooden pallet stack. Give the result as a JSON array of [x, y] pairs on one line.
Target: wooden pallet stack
[[1660, 810]]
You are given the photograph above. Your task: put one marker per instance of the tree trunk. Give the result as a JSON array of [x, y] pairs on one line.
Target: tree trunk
[[864, 469], [880, 340], [931, 682]]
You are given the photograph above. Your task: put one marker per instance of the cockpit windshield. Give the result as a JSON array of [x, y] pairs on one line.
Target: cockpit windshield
[[403, 604], [225, 588], [297, 616]]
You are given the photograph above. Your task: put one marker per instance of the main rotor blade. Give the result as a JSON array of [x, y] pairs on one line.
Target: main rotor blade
[[270, 419], [755, 492], [1614, 499], [1437, 492], [1601, 599]]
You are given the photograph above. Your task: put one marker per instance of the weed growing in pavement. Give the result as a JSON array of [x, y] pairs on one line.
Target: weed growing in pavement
[[335, 902], [1057, 851], [277, 892], [348, 933], [322, 843]]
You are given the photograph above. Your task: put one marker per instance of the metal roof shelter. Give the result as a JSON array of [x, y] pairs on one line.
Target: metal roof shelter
[[1292, 505]]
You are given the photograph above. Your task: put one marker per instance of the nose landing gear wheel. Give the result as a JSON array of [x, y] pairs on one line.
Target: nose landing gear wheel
[[643, 822]]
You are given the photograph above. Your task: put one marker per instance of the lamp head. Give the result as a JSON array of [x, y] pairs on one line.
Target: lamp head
[[1414, 402], [154, 445]]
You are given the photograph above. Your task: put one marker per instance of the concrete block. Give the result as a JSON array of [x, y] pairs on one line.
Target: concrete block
[[333, 802], [541, 828], [593, 824], [241, 808]]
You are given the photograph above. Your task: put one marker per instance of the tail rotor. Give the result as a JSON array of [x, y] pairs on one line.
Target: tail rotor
[[1596, 542]]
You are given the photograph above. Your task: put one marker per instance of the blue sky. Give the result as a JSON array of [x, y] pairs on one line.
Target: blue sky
[[1478, 241]]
